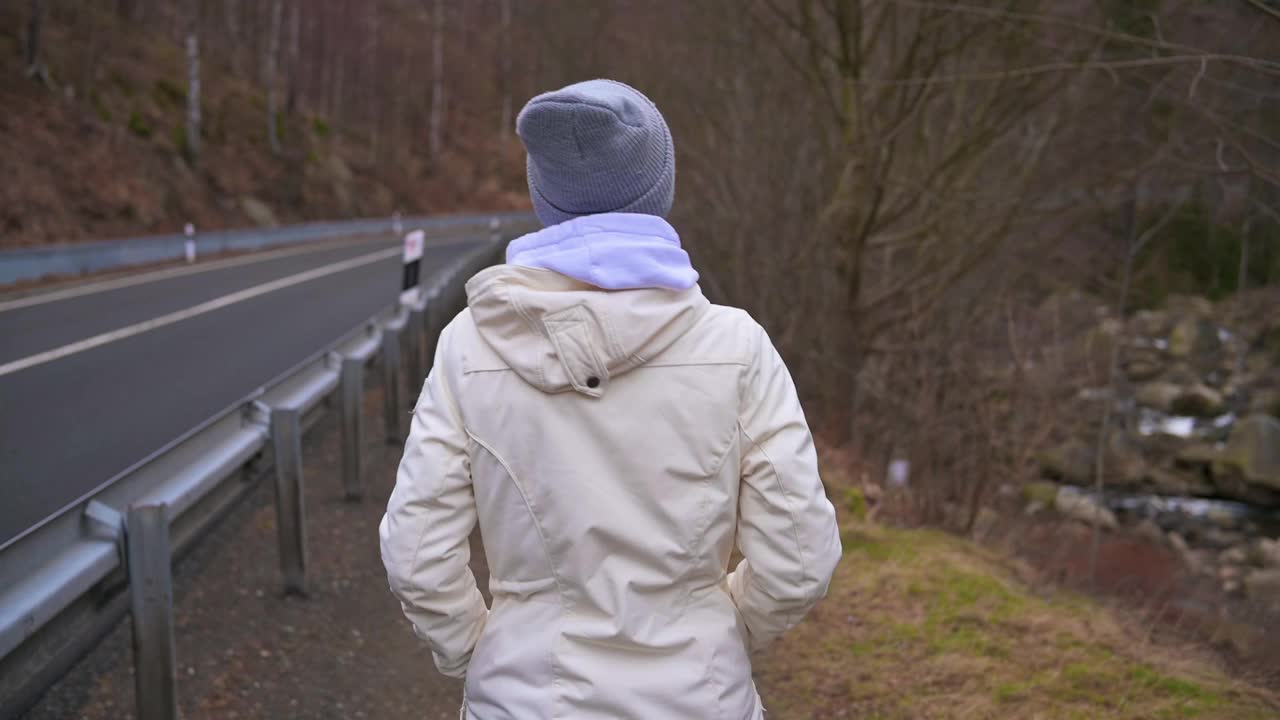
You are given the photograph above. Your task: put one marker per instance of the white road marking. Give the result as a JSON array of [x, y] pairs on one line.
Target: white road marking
[[205, 307], [144, 278]]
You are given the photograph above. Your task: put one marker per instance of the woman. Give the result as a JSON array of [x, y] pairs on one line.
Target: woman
[[615, 435]]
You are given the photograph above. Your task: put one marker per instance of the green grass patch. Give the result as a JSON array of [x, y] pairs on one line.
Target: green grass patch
[[924, 624], [138, 126], [169, 94]]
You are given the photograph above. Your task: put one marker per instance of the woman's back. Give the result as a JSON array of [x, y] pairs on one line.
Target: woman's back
[[612, 445]]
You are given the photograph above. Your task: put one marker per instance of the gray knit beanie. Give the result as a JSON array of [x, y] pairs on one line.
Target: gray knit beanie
[[595, 147]]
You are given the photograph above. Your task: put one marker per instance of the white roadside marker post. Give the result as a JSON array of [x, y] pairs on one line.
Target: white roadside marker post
[[189, 243], [411, 298]]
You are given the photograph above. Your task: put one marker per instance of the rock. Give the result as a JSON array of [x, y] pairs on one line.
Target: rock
[[1149, 530], [1040, 492], [1234, 555], [1158, 395], [1178, 543], [1266, 402], [1198, 454], [1192, 305], [1195, 338], [1151, 323], [1199, 562], [1221, 517], [1143, 365], [1198, 401], [1083, 508], [1111, 327], [984, 522], [1263, 586], [1265, 553], [259, 212], [1231, 587], [1124, 462], [1217, 538], [1195, 400], [1164, 481], [1230, 572], [1254, 449], [1070, 462]]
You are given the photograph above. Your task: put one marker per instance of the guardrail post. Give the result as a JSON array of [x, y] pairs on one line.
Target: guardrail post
[[286, 439], [151, 598], [391, 383], [353, 427], [413, 334]]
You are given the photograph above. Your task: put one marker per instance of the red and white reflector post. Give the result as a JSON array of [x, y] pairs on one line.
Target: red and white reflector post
[[410, 292]]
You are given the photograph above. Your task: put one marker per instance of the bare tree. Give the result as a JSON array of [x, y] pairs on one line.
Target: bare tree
[[505, 51], [374, 105], [193, 80], [231, 16], [437, 79], [295, 46], [271, 63]]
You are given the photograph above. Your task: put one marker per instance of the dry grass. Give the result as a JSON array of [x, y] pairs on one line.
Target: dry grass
[[920, 624]]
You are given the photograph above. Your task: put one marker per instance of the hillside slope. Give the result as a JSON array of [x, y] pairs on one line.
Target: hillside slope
[[920, 624], [100, 152]]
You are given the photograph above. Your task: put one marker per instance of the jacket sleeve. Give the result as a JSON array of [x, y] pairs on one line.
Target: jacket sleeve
[[787, 530], [425, 532]]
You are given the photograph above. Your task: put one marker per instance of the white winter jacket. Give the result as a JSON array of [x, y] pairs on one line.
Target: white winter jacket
[[613, 446]]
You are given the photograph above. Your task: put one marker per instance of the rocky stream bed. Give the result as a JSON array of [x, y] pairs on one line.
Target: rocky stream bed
[[1190, 453]]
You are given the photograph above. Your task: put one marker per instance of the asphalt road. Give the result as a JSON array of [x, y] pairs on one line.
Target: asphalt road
[[93, 383]]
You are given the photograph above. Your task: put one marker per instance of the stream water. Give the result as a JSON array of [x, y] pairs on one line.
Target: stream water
[[1183, 513]]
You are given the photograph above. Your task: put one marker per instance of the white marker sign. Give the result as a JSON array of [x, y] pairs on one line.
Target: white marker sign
[[413, 244]]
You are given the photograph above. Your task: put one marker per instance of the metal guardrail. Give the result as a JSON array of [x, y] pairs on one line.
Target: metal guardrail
[[66, 583], [78, 258]]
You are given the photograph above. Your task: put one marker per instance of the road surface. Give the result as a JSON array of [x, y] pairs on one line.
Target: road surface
[[93, 379]]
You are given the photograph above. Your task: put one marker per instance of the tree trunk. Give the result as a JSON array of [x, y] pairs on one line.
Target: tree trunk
[[374, 105], [193, 84], [35, 66], [271, 63], [505, 52], [295, 40], [231, 13], [437, 79]]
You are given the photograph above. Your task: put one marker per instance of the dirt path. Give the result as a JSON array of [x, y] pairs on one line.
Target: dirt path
[[245, 651]]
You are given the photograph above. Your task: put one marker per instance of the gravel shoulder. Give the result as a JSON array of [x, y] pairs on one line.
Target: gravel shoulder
[[246, 651]]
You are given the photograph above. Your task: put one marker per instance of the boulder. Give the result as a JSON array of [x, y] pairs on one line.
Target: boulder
[[1266, 401], [1124, 463], [1254, 449], [1158, 395], [1151, 323], [1143, 365], [1149, 530], [1070, 462], [1083, 508], [1195, 338], [1265, 553], [1165, 481], [1040, 492], [1235, 555], [1263, 587], [1198, 401], [1179, 305]]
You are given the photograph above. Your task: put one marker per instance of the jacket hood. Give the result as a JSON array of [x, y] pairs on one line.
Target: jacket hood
[[560, 333], [614, 251]]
